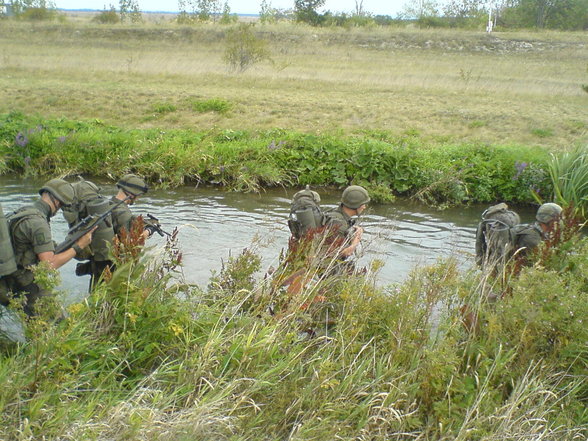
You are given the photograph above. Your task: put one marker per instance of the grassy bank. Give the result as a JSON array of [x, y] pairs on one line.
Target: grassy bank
[[440, 173], [515, 88], [147, 359]]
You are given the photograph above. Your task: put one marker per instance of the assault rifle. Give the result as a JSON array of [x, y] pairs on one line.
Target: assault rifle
[[84, 226], [153, 226]]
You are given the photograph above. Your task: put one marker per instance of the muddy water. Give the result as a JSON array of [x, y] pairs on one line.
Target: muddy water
[[215, 224]]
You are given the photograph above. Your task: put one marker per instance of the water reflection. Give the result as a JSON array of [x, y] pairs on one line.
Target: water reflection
[[215, 224]]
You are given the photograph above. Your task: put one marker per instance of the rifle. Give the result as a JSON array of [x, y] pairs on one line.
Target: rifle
[[83, 226], [153, 226]]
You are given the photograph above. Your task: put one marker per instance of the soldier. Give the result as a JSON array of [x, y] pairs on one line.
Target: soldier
[[528, 237], [130, 187], [340, 220], [89, 202], [30, 234]]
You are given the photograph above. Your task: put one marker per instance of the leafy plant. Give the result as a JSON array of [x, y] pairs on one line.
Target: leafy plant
[[569, 176]]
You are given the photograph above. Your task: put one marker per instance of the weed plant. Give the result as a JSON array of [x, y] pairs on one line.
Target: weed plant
[[249, 161], [148, 357]]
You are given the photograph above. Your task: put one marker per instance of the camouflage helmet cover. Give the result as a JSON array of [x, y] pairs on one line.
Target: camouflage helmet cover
[[355, 196], [548, 212], [61, 190], [132, 184]]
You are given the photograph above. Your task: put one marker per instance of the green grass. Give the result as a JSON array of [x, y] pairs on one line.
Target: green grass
[[147, 358]]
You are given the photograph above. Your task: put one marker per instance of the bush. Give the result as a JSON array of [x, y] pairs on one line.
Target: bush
[[243, 48], [109, 16]]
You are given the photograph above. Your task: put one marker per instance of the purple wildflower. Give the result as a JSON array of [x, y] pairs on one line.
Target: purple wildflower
[[520, 168], [62, 139], [274, 146], [21, 140]]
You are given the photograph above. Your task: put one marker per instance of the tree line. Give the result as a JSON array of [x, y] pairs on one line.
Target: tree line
[[473, 14]]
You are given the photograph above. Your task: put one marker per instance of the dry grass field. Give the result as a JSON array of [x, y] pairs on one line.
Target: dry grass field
[[443, 85]]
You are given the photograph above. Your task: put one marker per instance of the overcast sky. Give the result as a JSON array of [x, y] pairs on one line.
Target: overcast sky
[[378, 7]]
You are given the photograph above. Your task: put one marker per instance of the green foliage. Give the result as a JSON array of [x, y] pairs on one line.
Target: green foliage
[[267, 14], [164, 107], [148, 357], [227, 17], [549, 14], [129, 11], [444, 174], [243, 48], [109, 16], [569, 175], [542, 133], [305, 11], [212, 105]]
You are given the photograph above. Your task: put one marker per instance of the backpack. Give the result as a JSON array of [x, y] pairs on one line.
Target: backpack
[[7, 259], [495, 235], [305, 213]]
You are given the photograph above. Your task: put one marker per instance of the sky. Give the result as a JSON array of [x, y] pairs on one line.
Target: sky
[[377, 7]]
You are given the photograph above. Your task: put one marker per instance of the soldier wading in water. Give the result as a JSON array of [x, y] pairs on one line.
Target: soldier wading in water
[[30, 238]]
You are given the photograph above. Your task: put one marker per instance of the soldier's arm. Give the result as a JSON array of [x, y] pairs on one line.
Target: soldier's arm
[[58, 260], [356, 238]]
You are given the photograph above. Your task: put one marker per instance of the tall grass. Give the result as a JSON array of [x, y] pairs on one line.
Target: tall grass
[[147, 357], [569, 174]]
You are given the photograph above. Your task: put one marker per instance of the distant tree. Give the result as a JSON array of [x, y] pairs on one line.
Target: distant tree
[[359, 8], [306, 11], [34, 9], [462, 13], [129, 11], [227, 17], [203, 10], [420, 9], [267, 13], [551, 14]]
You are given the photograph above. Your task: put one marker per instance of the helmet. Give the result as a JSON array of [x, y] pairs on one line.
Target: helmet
[[86, 190], [355, 196], [548, 212], [307, 193], [61, 190], [133, 185]]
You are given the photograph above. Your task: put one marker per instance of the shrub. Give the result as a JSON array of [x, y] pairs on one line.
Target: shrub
[[109, 16], [243, 48]]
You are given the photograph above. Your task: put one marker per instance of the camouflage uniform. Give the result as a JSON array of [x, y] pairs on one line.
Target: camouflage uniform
[[340, 227], [31, 235], [90, 202], [122, 217], [339, 222], [528, 237]]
